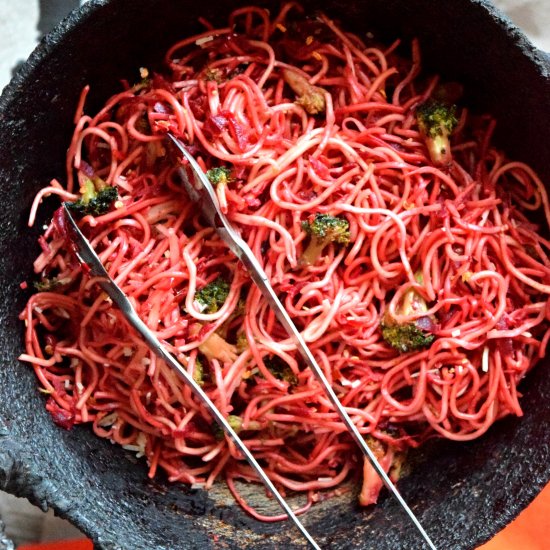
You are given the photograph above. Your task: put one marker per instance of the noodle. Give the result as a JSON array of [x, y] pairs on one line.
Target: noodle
[[463, 238]]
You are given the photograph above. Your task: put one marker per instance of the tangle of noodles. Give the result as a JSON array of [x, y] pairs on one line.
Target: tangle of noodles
[[465, 237]]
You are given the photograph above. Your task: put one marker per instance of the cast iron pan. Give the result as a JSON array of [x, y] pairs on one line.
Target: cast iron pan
[[462, 493]]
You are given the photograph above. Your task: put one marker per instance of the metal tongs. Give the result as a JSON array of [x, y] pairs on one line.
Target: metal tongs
[[87, 256], [200, 191]]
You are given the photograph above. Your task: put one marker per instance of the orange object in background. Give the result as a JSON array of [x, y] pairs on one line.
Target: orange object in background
[[529, 531], [80, 544]]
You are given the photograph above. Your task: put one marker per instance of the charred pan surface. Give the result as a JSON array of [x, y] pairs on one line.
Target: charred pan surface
[[462, 494]]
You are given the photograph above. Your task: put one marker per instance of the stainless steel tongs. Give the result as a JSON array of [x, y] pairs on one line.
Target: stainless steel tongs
[[87, 255], [201, 192]]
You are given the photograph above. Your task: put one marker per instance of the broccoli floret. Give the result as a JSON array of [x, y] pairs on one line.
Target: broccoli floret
[[436, 122], [323, 230], [405, 338], [236, 422], [280, 370], [409, 336], [220, 175], [213, 74], [46, 284], [92, 201], [212, 297], [198, 372]]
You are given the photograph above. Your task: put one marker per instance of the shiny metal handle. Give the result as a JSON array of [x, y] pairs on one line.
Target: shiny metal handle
[[88, 256]]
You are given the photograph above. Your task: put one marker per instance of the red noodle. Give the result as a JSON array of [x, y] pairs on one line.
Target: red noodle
[[470, 229]]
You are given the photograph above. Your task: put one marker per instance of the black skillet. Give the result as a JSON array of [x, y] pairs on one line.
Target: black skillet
[[462, 493]]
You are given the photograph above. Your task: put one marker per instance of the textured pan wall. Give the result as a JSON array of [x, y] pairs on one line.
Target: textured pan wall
[[462, 493]]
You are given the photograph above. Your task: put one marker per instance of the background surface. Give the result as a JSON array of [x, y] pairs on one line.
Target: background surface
[[22, 23]]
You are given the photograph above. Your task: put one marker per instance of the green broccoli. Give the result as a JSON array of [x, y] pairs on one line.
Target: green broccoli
[[213, 74], [220, 175], [436, 122], [405, 338], [410, 336], [236, 422], [93, 201], [212, 297], [280, 370], [323, 230], [198, 372], [46, 284]]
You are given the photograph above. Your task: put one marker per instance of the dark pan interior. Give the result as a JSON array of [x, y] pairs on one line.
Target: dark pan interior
[[462, 493]]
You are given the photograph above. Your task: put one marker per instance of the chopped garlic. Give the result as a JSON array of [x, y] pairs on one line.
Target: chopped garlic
[[485, 360], [204, 40], [141, 441], [108, 420], [353, 384]]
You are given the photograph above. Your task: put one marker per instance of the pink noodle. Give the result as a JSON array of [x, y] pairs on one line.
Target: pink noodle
[[473, 230]]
